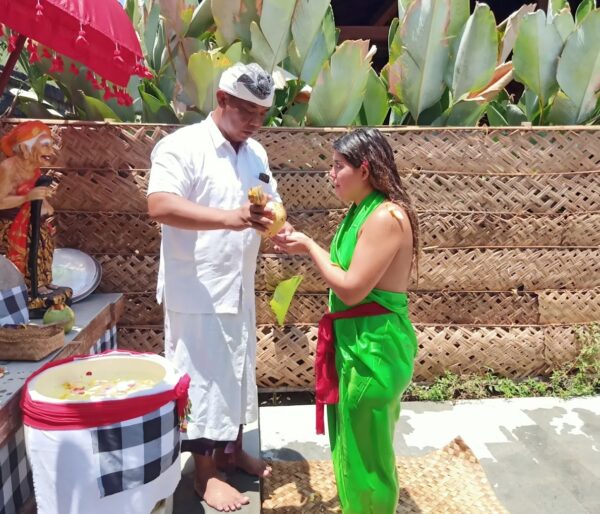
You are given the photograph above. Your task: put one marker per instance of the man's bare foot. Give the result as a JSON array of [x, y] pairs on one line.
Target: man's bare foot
[[220, 495], [217, 493], [252, 465]]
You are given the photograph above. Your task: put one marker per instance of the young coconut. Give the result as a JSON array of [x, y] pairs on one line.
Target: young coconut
[[61, 315], [257, 197]]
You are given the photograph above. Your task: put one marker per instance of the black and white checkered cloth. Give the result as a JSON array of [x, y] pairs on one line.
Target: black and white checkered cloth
[[13, 306], [15, 474], [107, 342], [137, 451]]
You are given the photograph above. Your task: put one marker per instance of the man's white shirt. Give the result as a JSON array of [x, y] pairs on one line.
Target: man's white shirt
[[208, 271]]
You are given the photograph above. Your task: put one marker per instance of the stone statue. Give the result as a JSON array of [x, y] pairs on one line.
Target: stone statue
[[24, 193]]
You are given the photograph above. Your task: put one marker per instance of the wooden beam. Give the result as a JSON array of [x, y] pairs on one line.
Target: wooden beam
[[376, 34], [386, 13]]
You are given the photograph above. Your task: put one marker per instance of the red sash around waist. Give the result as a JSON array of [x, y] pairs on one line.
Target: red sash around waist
[[326, 378]]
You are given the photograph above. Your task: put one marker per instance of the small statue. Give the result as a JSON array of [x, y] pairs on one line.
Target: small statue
[[24, 194]]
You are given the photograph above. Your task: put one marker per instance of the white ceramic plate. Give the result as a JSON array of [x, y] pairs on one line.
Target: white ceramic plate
[[77, 270]]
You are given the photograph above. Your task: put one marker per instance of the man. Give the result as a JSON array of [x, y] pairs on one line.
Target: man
[[198, 187]]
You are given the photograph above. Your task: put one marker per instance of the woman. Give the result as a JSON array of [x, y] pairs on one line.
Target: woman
[[369, 265]]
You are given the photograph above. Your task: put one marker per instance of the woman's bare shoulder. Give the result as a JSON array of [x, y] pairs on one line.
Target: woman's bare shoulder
[[389, 217]]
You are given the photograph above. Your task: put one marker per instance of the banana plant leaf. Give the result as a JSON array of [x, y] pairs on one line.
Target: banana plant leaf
[[535, 57], [417, 76], [477, 53], [338, 93], [579, 67], [205, 69]]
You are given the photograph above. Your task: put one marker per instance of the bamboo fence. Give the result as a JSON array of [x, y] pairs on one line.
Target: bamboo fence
[[510, 222]]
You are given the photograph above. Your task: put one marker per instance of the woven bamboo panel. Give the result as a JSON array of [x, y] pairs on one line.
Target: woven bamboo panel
[[123, 233], [108, 233], [141, 309], [106, 190], [470, 150], [141, 338], [477, 269], [128, 273], [507, 269], [103, 145], [455, 229], [516, 352], [448, 230], [561, 346], [479, 150], [548, 194], [569, 306], [285, 356], [93, 190], [467, 308], [429, 308]]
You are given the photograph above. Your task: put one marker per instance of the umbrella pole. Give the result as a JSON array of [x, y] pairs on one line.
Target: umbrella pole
[[10, 64]]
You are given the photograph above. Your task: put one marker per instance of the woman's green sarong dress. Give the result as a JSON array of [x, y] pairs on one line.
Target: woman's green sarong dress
[[374, 361]]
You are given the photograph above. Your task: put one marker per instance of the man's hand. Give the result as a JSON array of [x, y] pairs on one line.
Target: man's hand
[[249, 216]]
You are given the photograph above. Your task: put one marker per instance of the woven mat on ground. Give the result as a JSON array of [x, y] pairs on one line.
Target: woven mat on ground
[[446, 481]]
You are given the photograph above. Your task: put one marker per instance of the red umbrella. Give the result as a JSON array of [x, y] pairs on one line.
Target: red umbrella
[[96, 33]]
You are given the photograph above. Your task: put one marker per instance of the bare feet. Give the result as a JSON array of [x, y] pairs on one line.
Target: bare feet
[[220, 495], [217, 493], [252, 465]]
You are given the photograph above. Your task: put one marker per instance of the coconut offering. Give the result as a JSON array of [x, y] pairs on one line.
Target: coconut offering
[[257, 197]]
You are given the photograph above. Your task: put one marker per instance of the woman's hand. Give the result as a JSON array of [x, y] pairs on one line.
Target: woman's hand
[[294, 243]]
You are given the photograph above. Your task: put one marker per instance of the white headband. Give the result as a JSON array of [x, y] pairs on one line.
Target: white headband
[[248, 82]]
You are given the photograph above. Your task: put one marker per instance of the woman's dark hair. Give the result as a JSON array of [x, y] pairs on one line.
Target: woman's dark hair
[[369, 146]]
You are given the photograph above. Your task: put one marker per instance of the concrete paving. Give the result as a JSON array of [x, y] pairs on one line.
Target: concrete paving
[[541, 455]]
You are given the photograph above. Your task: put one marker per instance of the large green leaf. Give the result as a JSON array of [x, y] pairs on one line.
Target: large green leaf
[[394, 42], [564, 23], [233, 18], [509, 29], [465, 113], [96, 110], [563, 110], [530, 104], [261, 50], [202, 19], [205, 69], [398, 114], [156, 111], [338, 94], [321, 50], [496, 114], [584, 8], [375, 103], [402, 7], [556, 6], [150, 37], [159, 51], [306, 23], [420, 68], [459, 14], [535, 56], [502, 76], [579, 66], [476, 56], [275, 22]]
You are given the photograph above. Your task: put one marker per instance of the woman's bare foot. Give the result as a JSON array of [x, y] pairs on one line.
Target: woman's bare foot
[[217, 493], [252, 465]]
